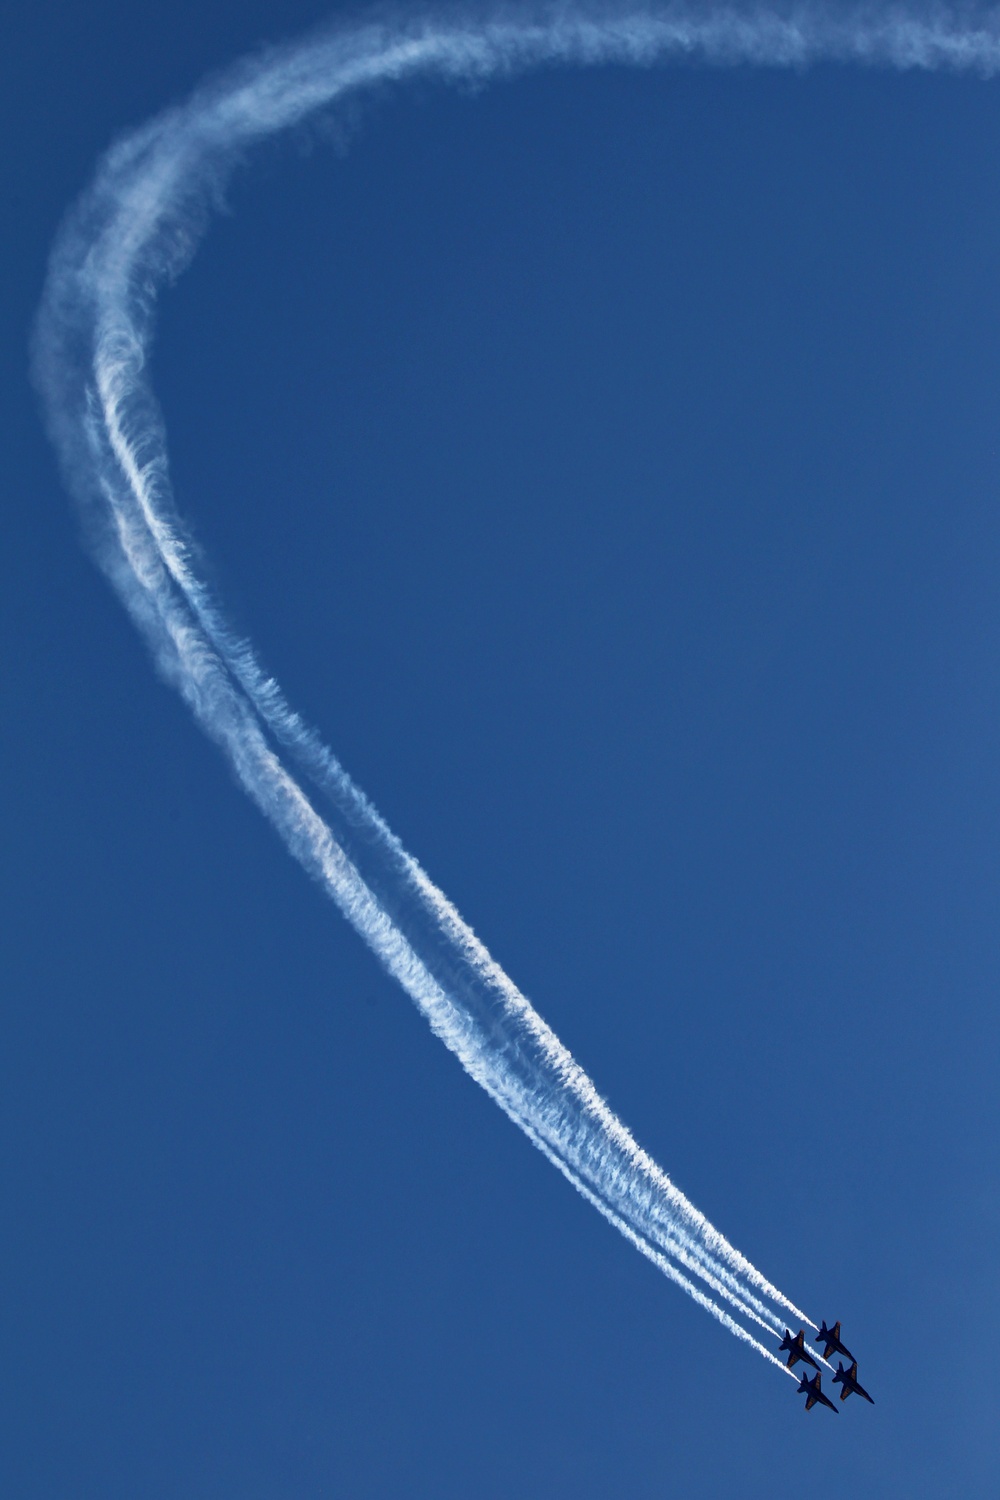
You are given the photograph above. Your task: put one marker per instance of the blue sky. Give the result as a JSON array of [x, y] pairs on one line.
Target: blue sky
[[606, 462]]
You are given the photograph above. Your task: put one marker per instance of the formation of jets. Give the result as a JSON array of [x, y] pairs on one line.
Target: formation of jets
[[830, 1340]]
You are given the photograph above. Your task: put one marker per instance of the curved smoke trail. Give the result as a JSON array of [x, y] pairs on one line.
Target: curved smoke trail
[[134, 229]]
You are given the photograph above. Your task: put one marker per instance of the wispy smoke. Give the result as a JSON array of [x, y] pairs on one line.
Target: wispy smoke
[[134, 229]]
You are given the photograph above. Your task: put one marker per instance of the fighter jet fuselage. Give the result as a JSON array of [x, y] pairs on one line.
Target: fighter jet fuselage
[[830, 1337], [796, 1349], [848, 1381], [812, 1390]]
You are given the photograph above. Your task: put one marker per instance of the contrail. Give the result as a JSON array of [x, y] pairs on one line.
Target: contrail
[[136, 228]]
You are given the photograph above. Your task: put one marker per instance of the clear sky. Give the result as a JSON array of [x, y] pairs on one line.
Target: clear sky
[[606, 462]]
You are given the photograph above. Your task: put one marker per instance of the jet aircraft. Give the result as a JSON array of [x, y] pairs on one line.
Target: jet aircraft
[[811, 1390], [831, 1338], [848, 1380], [796, 1348]]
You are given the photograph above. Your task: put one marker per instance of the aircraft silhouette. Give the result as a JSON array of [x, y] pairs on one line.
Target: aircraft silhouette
[[848, 1379], [812, 1392], [831, 1338], [796, 1348]]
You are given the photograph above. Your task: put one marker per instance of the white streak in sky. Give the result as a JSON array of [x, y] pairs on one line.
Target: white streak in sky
[[136, 228]]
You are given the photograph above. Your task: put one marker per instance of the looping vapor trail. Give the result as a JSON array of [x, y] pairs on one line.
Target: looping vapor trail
[[134, 229]]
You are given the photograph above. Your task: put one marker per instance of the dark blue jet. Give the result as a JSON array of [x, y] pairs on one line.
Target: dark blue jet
[[796, 1348], [848, 1379], [831, 1338], [812, 1392]]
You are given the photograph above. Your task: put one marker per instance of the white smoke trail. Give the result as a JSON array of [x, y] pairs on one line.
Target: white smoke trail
[[136, 228]]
